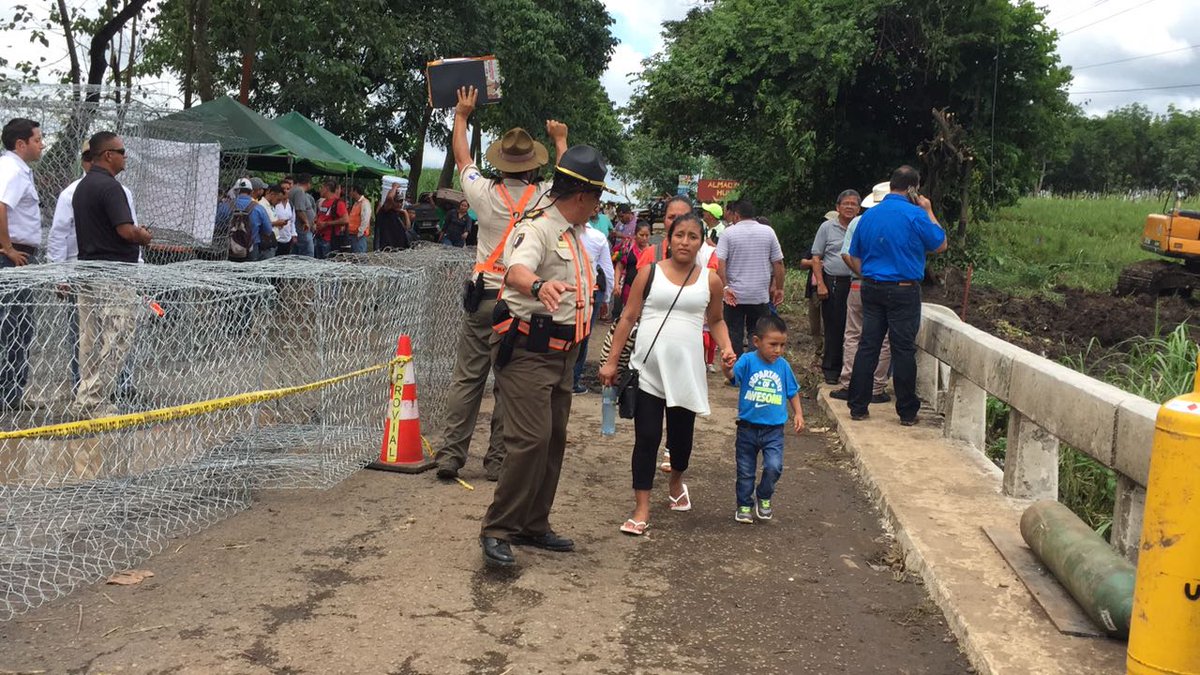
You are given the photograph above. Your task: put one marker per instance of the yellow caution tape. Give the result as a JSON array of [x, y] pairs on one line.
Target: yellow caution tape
[[118, 422]]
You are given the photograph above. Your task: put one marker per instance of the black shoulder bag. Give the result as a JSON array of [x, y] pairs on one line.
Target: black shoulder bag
[[627, 388]]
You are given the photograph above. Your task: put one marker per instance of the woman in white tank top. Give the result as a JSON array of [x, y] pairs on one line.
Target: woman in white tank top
[[683, 295]]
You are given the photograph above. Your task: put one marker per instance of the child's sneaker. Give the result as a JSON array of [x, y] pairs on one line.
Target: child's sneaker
[[743, 515], [763, 509]]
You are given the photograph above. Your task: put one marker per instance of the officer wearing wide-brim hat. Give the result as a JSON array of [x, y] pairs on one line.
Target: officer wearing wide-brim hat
[[545, 314], [498, 204]]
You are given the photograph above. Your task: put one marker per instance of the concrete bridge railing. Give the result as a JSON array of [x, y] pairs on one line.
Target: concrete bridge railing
[[958, 366]]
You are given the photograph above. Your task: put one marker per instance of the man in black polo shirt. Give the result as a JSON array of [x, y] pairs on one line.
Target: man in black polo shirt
[[105, 229]]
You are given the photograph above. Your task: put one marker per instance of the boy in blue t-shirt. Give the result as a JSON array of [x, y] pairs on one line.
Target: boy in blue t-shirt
[[765, 383]]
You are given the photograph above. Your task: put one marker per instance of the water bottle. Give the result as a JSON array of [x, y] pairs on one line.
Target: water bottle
[[608, 411]]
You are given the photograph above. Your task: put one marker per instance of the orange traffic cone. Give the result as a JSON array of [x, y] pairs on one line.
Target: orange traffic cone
[[402, 425]]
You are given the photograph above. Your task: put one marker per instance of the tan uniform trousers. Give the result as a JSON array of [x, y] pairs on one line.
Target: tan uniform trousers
[[537, 406], [854, 323], [106, 326], [471, 368]]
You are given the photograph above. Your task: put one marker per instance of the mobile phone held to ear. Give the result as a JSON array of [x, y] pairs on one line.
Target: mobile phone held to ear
[[914, 196]]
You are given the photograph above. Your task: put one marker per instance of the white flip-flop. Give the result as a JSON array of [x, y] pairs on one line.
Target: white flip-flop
[[685, 497]]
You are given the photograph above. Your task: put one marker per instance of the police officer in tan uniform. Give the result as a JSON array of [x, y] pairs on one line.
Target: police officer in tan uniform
[[498, 204], [545, 312]]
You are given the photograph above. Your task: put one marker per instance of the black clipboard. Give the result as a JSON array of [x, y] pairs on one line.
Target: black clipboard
[[445, 76]]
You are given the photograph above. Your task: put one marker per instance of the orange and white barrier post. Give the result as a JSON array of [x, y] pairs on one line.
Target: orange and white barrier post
[[402, 451]]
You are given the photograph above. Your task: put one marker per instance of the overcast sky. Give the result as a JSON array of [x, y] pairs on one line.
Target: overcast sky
[[1092, 32]]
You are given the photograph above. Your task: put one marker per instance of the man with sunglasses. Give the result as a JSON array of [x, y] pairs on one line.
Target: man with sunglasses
[[105, 229]]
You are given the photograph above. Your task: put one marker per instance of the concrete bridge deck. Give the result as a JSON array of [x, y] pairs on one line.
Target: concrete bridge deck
[[938, 495], [383, 574]]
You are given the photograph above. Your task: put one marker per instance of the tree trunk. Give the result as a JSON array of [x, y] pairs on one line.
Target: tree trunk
[[205, 87], [69, 32], [250, 26], [417, 158], [189, 54], [133, 27], [447, 178], [477, 144], [964, 198], [97, 63]]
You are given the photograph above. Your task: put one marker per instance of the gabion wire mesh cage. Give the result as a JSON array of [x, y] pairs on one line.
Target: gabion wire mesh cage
[[436, 340], [174, 169], [87, 342], [328, 319], [144, 402]]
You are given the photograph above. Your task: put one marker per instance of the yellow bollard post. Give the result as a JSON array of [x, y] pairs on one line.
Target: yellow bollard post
[[1166, 601]]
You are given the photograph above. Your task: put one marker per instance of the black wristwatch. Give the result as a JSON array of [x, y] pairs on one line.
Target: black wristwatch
[[535, 289]]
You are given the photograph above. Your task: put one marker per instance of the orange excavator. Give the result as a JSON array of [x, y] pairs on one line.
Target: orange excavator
[[1174, 236]]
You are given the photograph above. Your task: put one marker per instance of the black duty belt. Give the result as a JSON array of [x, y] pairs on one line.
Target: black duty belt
[[891, 283]]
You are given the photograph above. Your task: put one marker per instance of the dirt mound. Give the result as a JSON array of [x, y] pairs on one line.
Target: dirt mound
[[1067, 323]]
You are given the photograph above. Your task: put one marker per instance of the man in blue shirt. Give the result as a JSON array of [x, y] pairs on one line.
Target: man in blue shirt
[[888, 251], [260, 221]]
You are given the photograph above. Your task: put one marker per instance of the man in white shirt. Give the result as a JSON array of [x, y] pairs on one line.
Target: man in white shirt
[[596, 245], [20, 236], [284, 220]]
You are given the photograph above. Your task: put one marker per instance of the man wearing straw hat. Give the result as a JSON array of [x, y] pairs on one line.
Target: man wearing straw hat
[[544, 316], [499, 205], [854, 314]]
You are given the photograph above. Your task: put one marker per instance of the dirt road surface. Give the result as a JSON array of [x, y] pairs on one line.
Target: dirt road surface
[[383, 574]]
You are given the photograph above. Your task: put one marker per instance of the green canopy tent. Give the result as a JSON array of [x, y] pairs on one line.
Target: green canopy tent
[[359, 161], [267, 146]]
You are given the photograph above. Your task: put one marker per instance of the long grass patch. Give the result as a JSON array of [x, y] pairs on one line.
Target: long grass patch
[[1043, 242]]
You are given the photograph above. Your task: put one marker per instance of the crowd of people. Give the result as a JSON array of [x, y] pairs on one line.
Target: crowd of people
[[551, 261], [93, 220]]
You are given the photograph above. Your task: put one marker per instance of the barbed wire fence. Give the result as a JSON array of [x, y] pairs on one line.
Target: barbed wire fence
[[436, 343], [174, 169], [157, 397]]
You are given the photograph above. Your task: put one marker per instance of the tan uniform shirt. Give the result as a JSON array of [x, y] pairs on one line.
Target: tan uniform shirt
[[493, 213], [550, 246]]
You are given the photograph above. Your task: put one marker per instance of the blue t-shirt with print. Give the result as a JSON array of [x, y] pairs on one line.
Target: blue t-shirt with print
[[764, 389]]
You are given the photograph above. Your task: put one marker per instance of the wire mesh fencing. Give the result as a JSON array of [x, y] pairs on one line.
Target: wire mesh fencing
[[87, 344], [174, 169], [144, 402], [327, 319], [435, 343]]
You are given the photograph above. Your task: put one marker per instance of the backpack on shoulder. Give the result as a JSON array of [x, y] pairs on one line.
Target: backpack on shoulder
[[240, 241]]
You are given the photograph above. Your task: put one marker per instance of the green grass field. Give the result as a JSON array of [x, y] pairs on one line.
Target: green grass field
[[1044, 242]]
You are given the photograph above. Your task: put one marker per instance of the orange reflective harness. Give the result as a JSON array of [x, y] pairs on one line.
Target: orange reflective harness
[[492, 265]]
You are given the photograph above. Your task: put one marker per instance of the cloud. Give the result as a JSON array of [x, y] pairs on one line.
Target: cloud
[[1142, 31], [638, 26]]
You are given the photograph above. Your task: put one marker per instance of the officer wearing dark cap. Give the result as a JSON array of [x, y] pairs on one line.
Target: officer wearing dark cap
[[544, 313]]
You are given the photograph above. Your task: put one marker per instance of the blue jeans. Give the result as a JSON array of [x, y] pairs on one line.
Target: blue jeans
[[751, 441], [304, 244], [582, 360], [16, 332], [321, 248], [358, 244], [893, 310]]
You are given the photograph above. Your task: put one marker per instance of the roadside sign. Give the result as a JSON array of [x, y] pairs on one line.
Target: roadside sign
[[715, 189]]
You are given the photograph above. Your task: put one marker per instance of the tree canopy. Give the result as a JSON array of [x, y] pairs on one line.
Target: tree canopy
[[357, 66], [800, 100], [1129, 148]]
